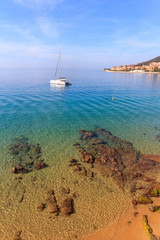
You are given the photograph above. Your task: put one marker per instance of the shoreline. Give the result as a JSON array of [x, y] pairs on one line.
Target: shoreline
[[129, 226], [130, 72]]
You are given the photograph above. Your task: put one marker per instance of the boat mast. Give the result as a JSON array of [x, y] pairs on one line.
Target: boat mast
[[60, 64]]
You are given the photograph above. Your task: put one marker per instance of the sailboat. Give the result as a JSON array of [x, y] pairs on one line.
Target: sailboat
[[62, 80]]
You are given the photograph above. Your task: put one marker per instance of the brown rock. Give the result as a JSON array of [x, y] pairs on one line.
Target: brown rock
[[51, 199], [72, 160], [65, 190], [90, 174], [40, 165], [53, 208], [67, 206], [52, 203], [136, 214], [158, 137], [50, 192], [76, 144], [87, 157], [18, 169], [36, 149], [136, 175], [134, 202], [81, 131], [17, 235], [41, 206], [144, 200], [76, 168], [80, 170]]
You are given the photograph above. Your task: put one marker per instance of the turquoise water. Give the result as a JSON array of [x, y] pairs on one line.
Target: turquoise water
[[126, 104], [52, 115]]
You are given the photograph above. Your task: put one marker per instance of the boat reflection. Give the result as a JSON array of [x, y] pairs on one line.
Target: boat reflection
[[57, 87]]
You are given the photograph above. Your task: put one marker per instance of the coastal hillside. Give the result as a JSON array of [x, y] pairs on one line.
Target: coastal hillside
[[152, 65], [157, 59]]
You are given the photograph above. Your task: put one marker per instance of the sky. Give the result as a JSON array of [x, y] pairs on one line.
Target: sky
[[92, 34]]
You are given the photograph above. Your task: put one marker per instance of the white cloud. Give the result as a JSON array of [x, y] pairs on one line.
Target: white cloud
[[26, 33], [48, 28], [18, 49]]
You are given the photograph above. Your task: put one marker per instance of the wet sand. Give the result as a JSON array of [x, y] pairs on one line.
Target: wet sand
[[130, 226]]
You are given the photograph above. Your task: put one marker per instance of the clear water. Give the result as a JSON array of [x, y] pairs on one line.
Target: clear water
[[126, 104]]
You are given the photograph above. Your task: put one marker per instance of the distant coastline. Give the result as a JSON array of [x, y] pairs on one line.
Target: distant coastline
[[151, 66], [120, 71]]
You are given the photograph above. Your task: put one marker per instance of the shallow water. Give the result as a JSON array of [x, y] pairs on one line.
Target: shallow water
[[126, 104]]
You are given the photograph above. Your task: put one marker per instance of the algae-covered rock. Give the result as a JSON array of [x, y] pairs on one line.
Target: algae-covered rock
[[156, 192], [144, 200], [154, 208], [146, 226], [148, 229], [153, 191]]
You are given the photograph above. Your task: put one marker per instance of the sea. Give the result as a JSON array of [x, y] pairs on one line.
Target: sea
[[126, 104]]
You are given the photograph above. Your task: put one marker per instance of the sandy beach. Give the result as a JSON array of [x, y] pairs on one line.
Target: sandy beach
[[129, 226]]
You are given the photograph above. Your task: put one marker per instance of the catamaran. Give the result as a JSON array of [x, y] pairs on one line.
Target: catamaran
[[62, 80]]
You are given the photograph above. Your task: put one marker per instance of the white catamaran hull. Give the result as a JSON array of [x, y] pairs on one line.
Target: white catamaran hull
[[61, 81]]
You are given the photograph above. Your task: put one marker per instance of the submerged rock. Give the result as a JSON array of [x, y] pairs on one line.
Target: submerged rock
[[118, 159], [18, 169], [80, 170], [41, 206], [158, 137], [52, 202], [65, 190], [87, 157], [40, 165], [17, 235], [67, 206], [25, 156], [72, 160]]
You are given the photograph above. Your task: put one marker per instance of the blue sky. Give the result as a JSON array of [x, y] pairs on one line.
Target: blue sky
[[91, 33]]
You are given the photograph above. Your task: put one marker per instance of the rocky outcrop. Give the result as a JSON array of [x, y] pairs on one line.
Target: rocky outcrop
[[67, 206], [52, 202], [25, 156], [86, 157], [118, 159]]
